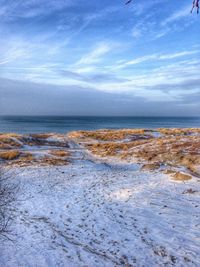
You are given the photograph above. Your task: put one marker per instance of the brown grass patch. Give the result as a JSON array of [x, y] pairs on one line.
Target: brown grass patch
[[179, 176], [10, 141], [9, 155], [41, 135], [175, 148], [150, 167], [60, 153], [106, 135], [9, 135], [26, 157], [46, 161], [178, 131], [42, 140], [113, 148]]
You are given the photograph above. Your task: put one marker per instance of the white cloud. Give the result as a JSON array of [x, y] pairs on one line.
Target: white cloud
[[95, 55], [28, 9], [179, 54], [4, 61], [183, 13], [143, 26], [154, 57], [12, 54], [134, 62]]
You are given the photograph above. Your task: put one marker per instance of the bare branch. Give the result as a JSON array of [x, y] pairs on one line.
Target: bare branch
[[8, 192]]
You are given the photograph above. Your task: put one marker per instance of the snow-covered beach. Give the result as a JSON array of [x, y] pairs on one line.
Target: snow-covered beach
[[94, 213]]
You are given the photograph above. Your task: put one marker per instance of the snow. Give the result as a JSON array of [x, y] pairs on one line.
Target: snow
[[94, 214]]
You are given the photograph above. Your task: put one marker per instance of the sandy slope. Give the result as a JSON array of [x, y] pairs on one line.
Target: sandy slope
[[93, 214]]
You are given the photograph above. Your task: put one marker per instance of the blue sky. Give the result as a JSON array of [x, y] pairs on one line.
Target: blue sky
[[138, 59]]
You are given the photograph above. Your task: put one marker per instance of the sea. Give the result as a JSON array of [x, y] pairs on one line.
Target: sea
[[64, 124]]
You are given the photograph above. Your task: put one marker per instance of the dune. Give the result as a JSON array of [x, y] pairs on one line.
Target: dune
[[103, 198]]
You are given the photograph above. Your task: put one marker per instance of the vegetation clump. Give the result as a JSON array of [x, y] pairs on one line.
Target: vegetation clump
[[9, 155], [10, 141], [107, 135], [34, 149], [179, 176], [172, 148], [60, 153]]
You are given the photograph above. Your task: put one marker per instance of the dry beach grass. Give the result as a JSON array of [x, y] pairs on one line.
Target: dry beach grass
[[172, 148], [33, 150], [9, 155], [168, 149]]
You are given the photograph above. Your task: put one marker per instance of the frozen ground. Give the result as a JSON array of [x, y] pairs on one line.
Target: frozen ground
[[92, 214]]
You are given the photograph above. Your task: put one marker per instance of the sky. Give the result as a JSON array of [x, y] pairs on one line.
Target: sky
[[100, 57]]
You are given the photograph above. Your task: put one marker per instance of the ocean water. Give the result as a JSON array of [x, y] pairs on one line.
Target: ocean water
[[39, 124]]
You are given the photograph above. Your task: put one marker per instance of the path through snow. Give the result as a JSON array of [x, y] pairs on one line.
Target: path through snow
[[92, 214]]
